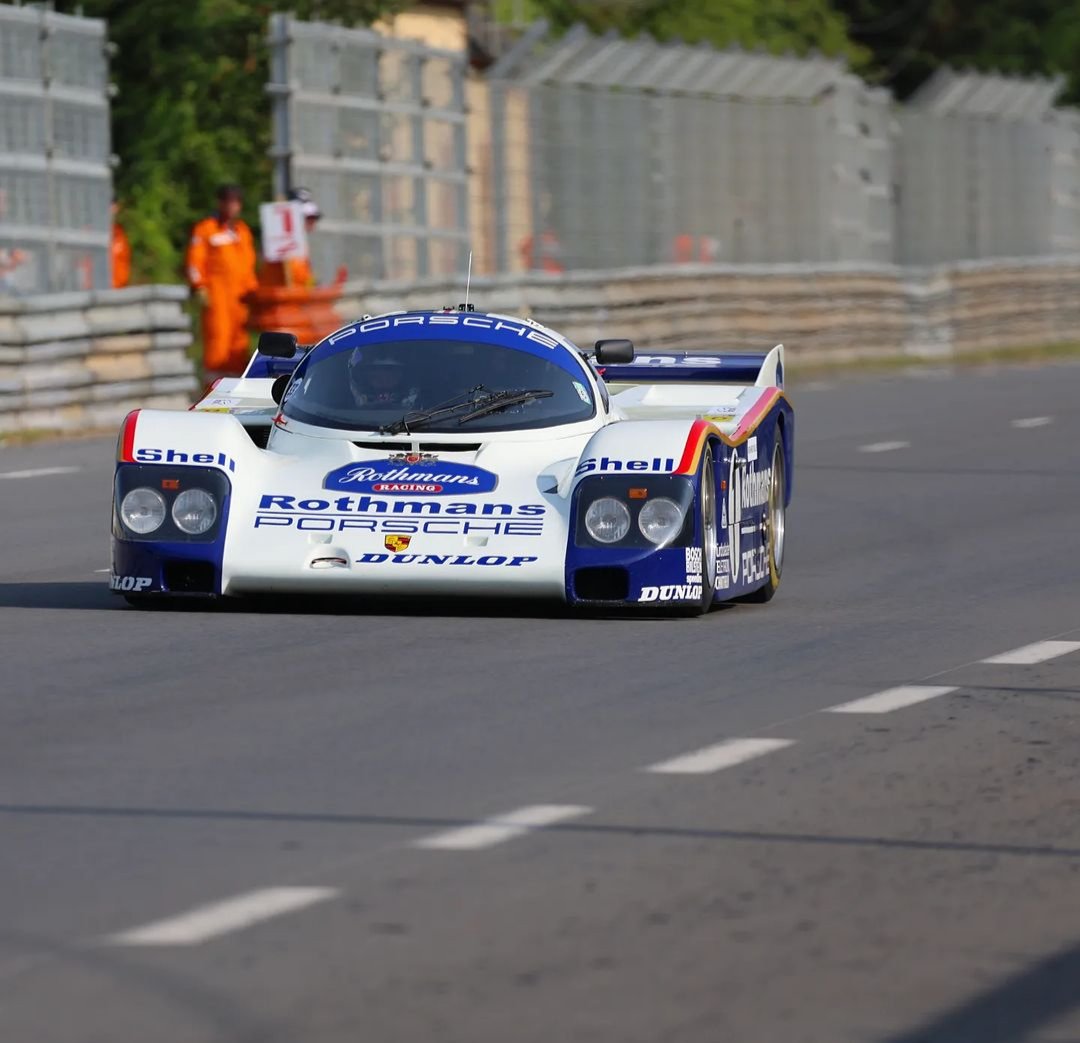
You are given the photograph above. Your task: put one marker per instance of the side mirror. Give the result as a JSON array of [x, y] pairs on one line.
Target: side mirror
[[614, 352], [277, 389], [277, 345]]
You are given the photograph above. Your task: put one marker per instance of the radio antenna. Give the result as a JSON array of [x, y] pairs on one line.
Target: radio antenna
[[468, 281]]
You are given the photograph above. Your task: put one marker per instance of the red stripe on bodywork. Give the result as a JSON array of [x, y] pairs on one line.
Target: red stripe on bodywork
[[756, 412], [126, 453], [688, 463], [206, 392]]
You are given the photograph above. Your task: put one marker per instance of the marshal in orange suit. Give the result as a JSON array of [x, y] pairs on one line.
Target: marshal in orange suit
[[221, 271]]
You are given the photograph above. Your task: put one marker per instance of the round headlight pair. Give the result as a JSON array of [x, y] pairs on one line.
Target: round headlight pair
[[143, 511], [607, 520]]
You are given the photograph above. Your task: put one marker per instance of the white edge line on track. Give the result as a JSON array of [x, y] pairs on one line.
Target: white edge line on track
[[883, 447], [1039, 652], [233, 914], [39, 472], [892, 699], [725, 754], [1032, 421], [500, 828]]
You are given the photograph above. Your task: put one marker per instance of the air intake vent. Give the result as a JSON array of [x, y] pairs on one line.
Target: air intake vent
[[190, 577], [259, 434], [388, 446], [601, 584], [422, 447]]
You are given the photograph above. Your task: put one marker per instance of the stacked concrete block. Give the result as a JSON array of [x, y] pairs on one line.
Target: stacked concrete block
[[80, 361]]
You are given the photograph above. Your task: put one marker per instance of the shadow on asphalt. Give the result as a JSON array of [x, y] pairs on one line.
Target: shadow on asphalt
[[644, 830], [84, 595], [1010, 1011], [948, 472], [96, 595]]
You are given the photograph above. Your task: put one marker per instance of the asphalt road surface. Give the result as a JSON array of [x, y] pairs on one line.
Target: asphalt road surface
[[830, 819]]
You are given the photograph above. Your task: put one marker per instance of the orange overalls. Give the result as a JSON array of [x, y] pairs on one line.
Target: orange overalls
[[221, 260], [121, 257]]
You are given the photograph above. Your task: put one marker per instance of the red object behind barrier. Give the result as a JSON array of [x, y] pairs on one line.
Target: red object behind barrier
[[307, 311]]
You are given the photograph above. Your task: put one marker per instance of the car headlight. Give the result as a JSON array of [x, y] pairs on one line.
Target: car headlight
[[194, 511], [143, 510], [607, 520], [660, 520]]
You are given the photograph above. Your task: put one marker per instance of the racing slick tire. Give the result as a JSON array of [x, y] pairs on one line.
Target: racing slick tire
[[710, 541], [775, 531]]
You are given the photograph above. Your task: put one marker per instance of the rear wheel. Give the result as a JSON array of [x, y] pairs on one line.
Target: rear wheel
[[775, 531]]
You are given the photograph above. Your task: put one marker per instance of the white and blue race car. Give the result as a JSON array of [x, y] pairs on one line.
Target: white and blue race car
[[453, 452]]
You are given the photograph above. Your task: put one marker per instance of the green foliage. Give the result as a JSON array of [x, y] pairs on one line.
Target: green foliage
[[896, 42], [192, 110], [777, 25], [909, 39]]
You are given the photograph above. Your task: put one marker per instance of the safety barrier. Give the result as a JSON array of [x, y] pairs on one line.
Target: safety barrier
[[821, 312], [80, 361]]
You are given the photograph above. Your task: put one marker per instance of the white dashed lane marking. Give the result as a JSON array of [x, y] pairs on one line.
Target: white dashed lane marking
[[892, 699], [884, 447], [39, 472], [715, 758], [500, 828], [1039, 652], [233, 914], [1032, 421]]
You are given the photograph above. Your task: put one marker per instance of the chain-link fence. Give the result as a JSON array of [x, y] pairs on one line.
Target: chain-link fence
[[977, 160], [607, 152], [599, 152], [375, 127], [579, 152], [55, 174]]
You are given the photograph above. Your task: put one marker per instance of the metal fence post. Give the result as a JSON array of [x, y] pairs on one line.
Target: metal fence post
[[500, 201], [279, 89], [354, 121]]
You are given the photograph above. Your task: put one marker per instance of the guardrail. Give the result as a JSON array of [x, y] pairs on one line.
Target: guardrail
[[81, 361], [822, 313]]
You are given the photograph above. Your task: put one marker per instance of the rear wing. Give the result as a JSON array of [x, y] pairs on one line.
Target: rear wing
[[752, 369]]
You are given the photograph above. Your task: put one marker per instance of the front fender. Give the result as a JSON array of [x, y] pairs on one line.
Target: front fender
[[637, 447], [157, 436]]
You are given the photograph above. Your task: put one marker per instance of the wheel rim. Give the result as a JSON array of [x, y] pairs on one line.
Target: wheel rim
[[709, 543], [777, 510]]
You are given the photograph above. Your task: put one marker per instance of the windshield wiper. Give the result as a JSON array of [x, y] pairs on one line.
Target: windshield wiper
[[465, 400], [503, 400]]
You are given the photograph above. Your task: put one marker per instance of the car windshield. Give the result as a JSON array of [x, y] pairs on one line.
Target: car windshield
[[375, 386]]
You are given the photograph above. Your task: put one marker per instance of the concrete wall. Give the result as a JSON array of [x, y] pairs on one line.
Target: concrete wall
[[81, 361], [820, 312], [78, 361]]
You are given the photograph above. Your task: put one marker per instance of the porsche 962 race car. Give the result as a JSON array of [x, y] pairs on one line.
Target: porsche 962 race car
[[453, 452]]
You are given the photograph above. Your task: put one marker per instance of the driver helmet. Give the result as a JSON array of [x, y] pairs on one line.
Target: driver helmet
[[378, 378]]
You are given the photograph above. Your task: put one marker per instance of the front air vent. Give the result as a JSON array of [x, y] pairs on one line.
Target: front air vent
[[422, 447], [190, 577], [602, 584]]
